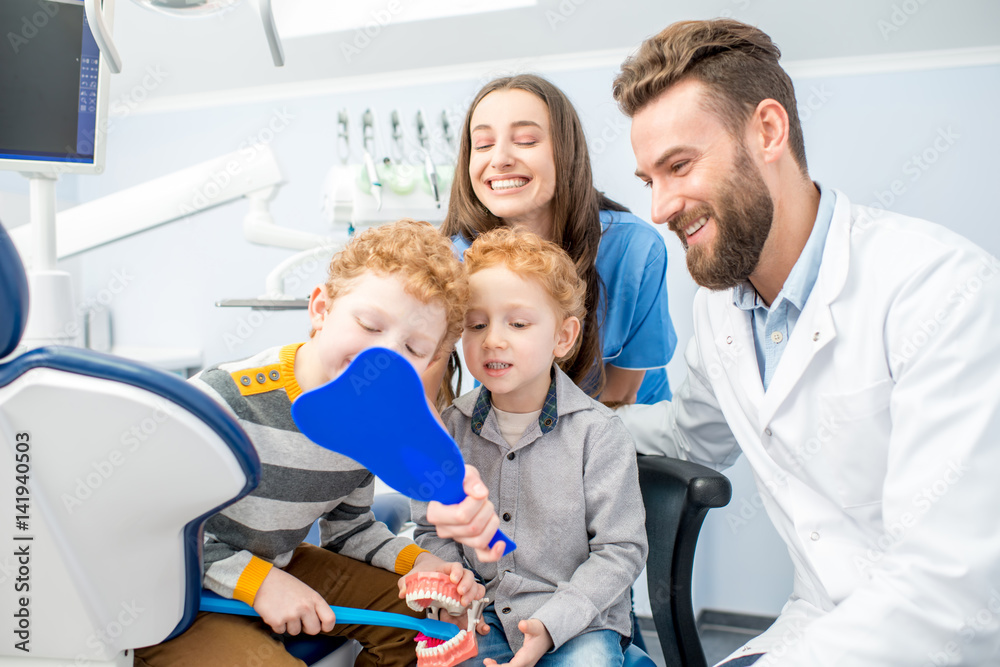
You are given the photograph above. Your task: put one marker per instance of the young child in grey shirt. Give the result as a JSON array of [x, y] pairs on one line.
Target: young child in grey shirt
[[560, 466]]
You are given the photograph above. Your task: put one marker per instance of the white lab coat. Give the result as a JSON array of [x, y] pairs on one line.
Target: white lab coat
[[876, 448]]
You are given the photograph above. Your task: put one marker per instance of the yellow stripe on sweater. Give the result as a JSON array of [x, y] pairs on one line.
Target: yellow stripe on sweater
[[251, 579], [406, 558]]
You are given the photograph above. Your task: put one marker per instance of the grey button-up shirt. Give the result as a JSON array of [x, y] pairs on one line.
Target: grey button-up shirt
[[568, 494]]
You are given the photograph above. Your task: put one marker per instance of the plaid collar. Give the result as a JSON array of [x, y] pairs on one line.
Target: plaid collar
[[546, 421]]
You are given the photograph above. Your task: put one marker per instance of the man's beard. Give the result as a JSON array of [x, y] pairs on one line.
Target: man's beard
[[742, 218]]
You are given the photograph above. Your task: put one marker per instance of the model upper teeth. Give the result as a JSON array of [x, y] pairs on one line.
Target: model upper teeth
[[508, 183], [451, 604], [696, 225], [424, 652], [497, 365]]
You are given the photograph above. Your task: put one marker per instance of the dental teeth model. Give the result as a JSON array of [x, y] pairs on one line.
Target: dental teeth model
[[434, 593]]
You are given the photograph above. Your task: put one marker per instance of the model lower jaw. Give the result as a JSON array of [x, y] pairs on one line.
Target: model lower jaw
[[435, 653], [435, 593]]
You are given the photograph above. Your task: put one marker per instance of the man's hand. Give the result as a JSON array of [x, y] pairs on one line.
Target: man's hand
[[472, 522], [290, 606], [536, 642]]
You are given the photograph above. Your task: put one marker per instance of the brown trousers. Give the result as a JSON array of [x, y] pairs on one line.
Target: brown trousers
[[223, 640]]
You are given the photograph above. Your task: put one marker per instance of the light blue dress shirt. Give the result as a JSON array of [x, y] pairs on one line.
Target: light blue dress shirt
[[772, 326]]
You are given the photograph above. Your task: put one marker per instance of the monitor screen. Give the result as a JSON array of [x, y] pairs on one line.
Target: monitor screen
[[52, 88]]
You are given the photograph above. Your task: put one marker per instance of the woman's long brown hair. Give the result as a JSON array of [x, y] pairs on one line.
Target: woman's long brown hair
[[576, 208]]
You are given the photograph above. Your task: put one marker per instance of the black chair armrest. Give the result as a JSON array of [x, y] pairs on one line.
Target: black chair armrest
[[677, 495]]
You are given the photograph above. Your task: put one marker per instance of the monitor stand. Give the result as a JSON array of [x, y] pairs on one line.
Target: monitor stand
[[51, 317]]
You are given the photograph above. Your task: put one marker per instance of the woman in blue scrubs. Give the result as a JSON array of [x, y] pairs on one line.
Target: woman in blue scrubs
[[523, 160]]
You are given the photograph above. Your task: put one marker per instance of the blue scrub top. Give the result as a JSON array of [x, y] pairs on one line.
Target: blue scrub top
[[636, 331]]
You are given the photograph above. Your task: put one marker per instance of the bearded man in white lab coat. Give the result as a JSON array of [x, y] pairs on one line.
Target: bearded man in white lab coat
[[850, 354]]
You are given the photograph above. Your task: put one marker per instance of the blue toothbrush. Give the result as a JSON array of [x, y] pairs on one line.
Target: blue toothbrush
[[437, 629]]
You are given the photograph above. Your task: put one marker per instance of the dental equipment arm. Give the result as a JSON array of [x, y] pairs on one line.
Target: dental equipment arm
[[271, 32], [168, 198], [102, 35], [368, 135], [432, 175]]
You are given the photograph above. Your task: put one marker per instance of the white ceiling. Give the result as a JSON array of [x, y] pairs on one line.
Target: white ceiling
[[229, 52]]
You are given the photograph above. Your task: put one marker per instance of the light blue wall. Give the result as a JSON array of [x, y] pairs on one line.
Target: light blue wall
[[861, 135]]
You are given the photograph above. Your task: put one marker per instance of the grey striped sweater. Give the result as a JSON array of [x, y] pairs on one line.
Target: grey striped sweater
[[300, 483]]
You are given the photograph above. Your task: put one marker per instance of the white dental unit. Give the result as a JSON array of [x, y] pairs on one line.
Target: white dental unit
[[102, 541], [103, 548]]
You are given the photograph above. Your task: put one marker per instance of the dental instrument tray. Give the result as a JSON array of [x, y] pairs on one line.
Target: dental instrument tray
[[264, 304]]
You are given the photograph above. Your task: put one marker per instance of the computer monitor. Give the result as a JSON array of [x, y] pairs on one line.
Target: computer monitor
[[53, 88]]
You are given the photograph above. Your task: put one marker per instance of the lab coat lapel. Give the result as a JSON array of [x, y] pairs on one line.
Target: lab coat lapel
[[815, 328], [735, 346]]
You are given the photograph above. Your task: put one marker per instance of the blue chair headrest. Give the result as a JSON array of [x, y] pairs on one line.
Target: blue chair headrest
[[13, 295]]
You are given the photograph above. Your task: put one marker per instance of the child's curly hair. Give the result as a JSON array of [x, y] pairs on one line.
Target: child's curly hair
[[532, 257], [416, 252]]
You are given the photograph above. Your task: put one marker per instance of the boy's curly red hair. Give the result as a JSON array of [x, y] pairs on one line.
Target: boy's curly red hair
[[419, 254], [532, 257]]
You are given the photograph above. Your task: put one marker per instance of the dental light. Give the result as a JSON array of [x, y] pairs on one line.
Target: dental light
[[185, 9]]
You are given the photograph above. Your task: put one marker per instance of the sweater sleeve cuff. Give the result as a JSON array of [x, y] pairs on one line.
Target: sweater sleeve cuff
[[251, 579], [406, 558]]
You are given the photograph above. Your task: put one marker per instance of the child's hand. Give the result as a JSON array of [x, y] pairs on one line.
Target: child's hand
[[468, 588], [472, 522], [290, 606], [536, 642]]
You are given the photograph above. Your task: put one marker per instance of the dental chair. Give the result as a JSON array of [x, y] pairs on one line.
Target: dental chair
[[109, 470]]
